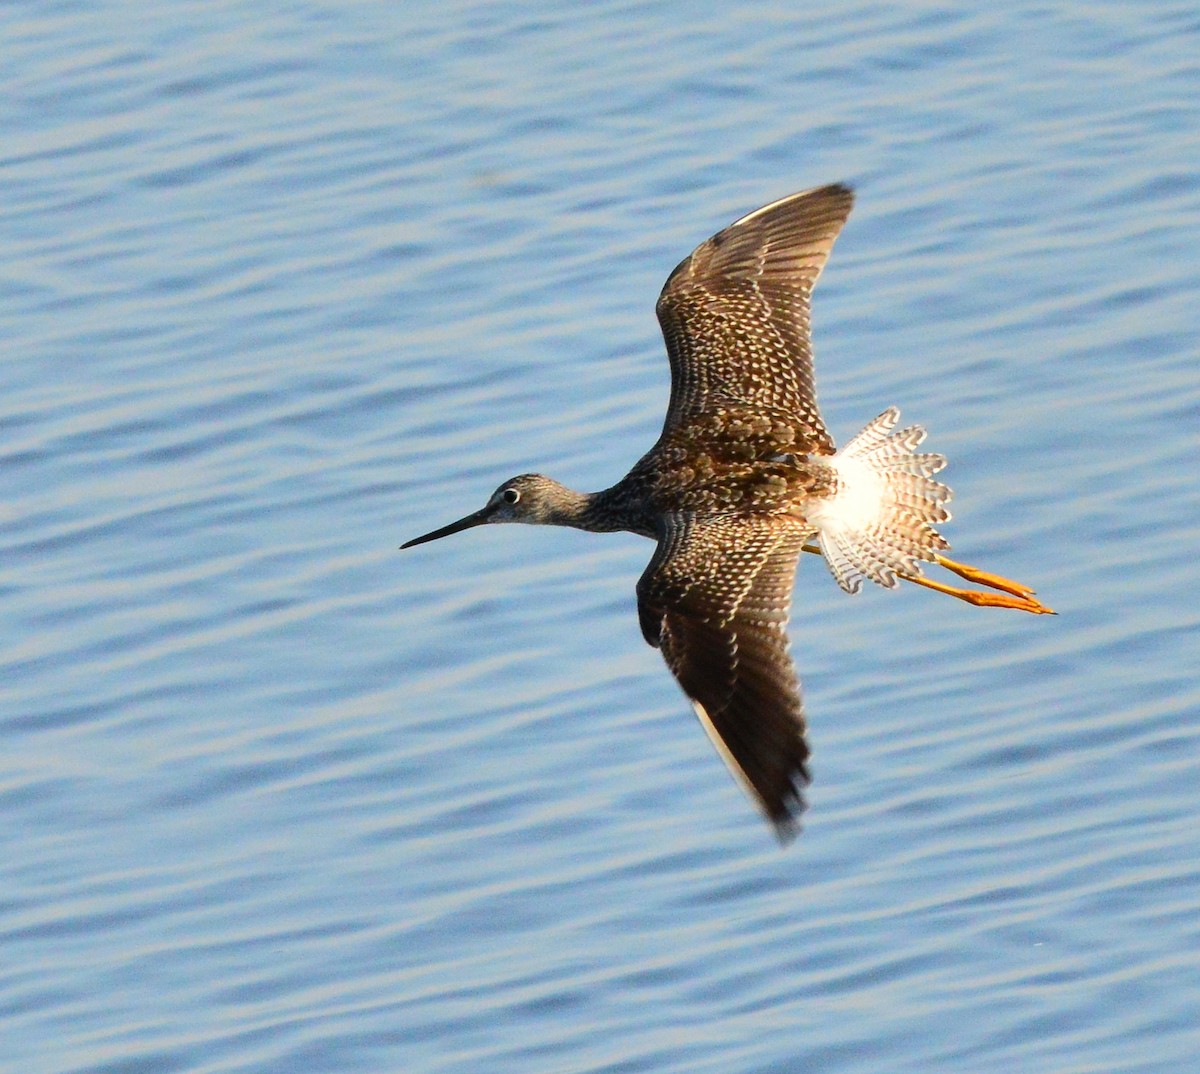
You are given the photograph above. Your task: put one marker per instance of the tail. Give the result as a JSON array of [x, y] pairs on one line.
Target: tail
[[879, 522]]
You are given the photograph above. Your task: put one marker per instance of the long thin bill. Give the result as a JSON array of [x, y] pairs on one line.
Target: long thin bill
[[476, 519]]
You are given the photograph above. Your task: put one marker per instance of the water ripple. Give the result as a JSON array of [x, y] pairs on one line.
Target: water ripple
[[290, 285]]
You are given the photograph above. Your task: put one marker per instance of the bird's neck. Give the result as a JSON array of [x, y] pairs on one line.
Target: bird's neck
[[570, 508], [608, 511]]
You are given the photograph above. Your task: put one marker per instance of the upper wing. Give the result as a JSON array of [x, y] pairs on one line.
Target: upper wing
[[715, 598], [735, 314]]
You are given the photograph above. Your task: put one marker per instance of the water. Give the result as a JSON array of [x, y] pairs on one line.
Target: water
[[286, 284]]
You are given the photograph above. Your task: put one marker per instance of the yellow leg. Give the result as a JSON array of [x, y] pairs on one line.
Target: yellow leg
[[1012, 594], [982, 599], [992, 581]]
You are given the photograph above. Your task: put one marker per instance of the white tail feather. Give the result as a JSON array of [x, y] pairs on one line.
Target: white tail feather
[[878, 524]]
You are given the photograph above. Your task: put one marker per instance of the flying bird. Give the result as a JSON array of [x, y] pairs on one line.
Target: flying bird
[[744, 478]]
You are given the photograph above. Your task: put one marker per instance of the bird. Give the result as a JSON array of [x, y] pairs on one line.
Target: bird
[[743, 479]]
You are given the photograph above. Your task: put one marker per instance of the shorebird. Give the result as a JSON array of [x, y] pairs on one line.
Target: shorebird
[[744, 478]]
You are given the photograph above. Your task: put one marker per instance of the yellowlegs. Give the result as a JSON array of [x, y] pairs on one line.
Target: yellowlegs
[[745, 477]]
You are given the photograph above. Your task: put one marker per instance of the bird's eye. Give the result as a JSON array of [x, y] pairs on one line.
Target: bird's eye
[[511, 495]]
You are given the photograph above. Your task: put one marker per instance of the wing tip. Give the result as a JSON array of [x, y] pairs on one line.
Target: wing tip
[[781, 810], [839, 196], [788, 828]]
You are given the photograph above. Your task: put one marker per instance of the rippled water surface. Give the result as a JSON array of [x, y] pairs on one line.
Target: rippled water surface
[[288, 283]]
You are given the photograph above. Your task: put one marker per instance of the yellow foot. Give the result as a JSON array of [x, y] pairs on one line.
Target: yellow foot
[[992, 581], [1023, 601], [1011, 594]]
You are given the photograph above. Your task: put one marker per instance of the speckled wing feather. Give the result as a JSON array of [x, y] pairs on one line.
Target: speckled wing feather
[[715, 598], [736, 314]]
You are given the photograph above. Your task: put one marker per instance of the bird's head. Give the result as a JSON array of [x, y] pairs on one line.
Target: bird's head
[[529, 498]]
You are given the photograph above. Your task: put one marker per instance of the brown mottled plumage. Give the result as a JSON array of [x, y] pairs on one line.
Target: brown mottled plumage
[[742, 476]]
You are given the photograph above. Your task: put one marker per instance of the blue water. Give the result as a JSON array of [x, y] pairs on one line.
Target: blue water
[[288, 283]]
